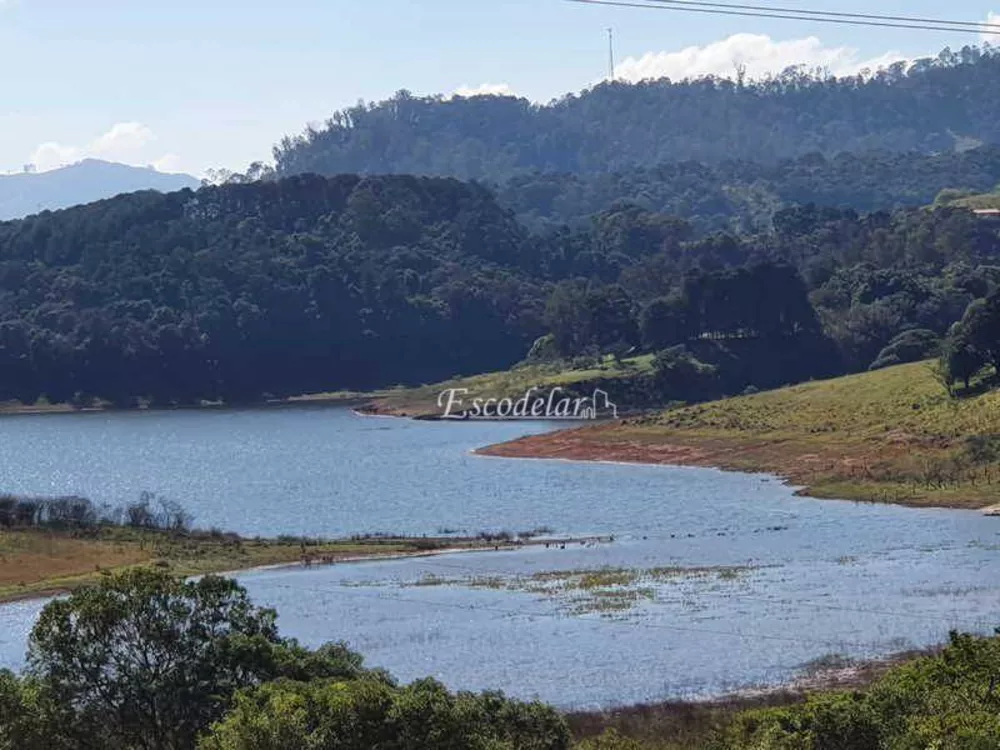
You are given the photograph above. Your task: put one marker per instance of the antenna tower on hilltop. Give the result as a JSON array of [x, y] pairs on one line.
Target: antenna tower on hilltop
[[611, 55]]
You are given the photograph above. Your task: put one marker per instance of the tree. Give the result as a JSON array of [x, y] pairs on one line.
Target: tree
[[981, 328], [584, 317], [665, 322], [27, 715], [144, 660], [610, 740], [909, 346], [960, 360], [362, 714], [679, 376]]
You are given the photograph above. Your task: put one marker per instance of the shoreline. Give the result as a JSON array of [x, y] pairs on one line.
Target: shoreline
[[558, 444], [613, 444], [8, 410], [891, 436], [304, 554], [697, 719]]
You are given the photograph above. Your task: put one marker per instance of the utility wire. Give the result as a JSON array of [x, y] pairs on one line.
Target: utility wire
[[669, 5], [973, 25]]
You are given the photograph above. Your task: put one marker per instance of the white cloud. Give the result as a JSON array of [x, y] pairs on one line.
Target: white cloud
[[167, 163], [125, 142], [992, 18], [759, 54], [485, 89]]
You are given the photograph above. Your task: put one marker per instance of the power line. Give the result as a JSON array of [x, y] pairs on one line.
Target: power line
[[673, 5], [972, 25]]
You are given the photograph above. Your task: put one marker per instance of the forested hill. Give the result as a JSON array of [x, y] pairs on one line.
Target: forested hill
[[937, 105], [743, 196], [310, 283], [274, 287]]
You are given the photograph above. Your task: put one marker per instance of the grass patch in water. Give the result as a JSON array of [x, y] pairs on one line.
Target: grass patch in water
[[604, 591]]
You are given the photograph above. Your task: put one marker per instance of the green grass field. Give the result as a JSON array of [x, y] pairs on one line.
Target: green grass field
[[985, 200], [423, 400], [894, 435], [905, 400]]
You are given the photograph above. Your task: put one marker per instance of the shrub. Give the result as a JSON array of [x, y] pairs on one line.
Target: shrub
[[909, 346]]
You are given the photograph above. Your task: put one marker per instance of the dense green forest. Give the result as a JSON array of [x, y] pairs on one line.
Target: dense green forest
[[274, 287], [310, 283], [932, 106], [743, 196], [723, 155], [755, 234]]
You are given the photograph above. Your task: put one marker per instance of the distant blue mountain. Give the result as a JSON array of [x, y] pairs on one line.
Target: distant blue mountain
[[87, 181]]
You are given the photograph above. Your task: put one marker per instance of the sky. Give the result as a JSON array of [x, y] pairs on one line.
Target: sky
[[192, 85]]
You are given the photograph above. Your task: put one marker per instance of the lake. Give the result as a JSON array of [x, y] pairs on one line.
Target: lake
[[715, 581]]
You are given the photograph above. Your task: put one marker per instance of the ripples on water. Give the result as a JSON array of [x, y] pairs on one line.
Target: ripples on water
[[821, 577]]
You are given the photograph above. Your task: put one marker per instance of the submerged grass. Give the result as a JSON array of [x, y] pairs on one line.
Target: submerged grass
[[604, 591]]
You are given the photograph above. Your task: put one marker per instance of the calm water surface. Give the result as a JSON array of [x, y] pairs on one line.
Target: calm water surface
[[810, 577]]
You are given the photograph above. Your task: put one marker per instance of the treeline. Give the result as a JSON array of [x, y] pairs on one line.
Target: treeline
[[931, 106], [745, 195], [723, 155], [840, 287], [247, 291], [67, 513], [143, 661]]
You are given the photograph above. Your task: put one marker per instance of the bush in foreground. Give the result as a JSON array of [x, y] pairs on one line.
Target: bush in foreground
[[145, 660], [946, 702], [363, 714]]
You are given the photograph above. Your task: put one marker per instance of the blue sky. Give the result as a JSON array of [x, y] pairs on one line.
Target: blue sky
[[189, 85]]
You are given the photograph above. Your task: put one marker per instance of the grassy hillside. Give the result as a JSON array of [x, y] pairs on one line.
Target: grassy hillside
[[423, 401], [893, 435], [974, 202]]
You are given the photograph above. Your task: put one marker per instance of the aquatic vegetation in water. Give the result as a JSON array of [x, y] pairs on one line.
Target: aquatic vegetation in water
[[604, 591]]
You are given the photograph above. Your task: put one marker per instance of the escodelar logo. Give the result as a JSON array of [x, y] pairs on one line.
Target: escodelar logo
[[535, 404]]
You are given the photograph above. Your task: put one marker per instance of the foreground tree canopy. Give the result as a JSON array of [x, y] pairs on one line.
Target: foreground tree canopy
[[150, 662], [363, 714]]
